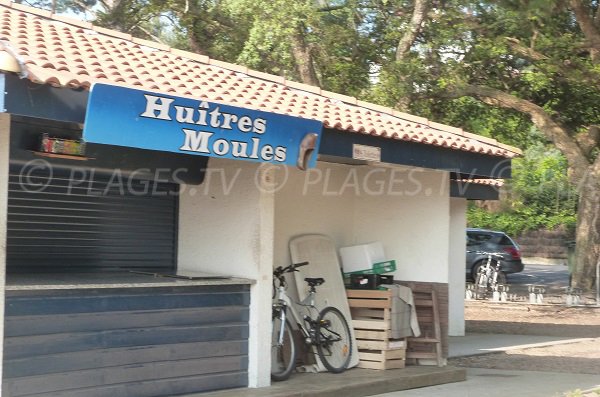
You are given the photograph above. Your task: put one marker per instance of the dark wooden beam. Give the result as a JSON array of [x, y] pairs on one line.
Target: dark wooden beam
[[474, 165], [473, 191]]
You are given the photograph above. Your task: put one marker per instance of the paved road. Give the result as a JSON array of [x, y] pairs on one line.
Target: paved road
[[553, 276]]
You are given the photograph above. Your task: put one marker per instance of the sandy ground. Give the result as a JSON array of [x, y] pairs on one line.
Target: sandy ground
[[532, 313], [581, 357]]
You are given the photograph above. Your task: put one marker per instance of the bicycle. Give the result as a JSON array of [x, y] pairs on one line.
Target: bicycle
[[328, 331], [489, 275]]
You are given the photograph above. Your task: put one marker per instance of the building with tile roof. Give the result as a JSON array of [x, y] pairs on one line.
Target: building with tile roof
[[96, 229], [63, 52]]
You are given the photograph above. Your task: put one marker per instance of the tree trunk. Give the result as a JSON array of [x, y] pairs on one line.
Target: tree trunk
[[414, 28], [303, 58], [587, 250], [588, 27], [194, 41], [408, 39]]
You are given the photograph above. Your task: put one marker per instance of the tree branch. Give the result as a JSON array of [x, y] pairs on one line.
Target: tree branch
[[553, 131], [414, 28], [588, 27], [84, 7], [589, 140], [148, 33], [526, 52], [324, 6], [565, 68]]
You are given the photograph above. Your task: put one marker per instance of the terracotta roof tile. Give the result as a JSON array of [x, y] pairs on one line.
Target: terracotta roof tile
[[65, 52]]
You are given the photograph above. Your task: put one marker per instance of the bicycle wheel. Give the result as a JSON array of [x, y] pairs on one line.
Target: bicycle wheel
[[283, 355], [501, 278], [481, 285], [334, 344]]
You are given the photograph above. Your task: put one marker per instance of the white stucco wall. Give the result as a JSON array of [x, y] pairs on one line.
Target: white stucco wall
[[456, 266], [411, 220], [226, 227], [406, 209], [310, 203], [4, 156]]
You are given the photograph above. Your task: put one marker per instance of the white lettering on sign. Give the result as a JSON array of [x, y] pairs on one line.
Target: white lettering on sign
[[367, 153], [162, 108]]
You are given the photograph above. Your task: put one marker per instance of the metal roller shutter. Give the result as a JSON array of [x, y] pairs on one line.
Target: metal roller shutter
[[106, 221]]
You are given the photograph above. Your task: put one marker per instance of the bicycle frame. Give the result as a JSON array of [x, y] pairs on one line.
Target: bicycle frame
[[327, 331], [487, 276], [284, 302]]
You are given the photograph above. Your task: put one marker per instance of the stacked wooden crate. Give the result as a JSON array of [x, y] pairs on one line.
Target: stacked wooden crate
[[371, 313]]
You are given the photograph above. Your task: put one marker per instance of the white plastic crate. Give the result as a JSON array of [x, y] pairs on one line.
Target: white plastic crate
[[360, 257]]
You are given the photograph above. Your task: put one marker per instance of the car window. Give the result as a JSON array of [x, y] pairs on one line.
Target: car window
[[505, 240], [478, 238]]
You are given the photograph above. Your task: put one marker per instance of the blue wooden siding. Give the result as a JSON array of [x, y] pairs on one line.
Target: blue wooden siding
[[142, 342]]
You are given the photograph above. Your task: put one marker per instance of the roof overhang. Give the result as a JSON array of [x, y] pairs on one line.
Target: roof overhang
[[339, 145], [42, 101], [473, 190]]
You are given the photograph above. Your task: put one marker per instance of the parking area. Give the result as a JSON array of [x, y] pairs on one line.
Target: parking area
[[554, 277]]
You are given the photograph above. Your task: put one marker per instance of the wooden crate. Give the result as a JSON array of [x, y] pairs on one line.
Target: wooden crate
[[371, 312], [382, 359]]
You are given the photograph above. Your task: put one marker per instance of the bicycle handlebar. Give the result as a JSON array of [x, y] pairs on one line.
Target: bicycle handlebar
[[279, 271], [492, 254]]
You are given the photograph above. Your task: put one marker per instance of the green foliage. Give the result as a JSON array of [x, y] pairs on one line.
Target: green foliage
[[540, 179], [268, 46], [539, 196], [518, 220], [505, 125], [339, 54]]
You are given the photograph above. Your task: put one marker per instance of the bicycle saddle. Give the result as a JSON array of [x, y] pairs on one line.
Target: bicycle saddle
[[314, 282]]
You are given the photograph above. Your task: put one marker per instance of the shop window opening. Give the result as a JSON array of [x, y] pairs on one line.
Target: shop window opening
[[59, 222]]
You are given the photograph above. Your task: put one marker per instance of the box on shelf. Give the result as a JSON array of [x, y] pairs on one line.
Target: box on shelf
[[376, 269], [358, 257], [369, 281]]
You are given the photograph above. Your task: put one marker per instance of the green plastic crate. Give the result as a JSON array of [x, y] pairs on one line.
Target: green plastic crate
[[378, 268]]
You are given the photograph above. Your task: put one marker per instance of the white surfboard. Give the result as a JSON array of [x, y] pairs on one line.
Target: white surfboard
[[320, 251]]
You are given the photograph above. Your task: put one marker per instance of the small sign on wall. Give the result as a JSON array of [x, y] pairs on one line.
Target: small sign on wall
[[147, 120], [367, 153]]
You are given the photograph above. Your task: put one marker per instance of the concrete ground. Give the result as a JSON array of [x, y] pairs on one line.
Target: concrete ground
[[414, 381], [351, 383], [501, 383], [474, 343]]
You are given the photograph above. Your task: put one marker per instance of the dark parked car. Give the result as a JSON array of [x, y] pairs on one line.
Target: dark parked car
[[480, 241]]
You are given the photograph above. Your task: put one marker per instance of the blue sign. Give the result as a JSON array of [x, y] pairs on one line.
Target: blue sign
[[147, 120]]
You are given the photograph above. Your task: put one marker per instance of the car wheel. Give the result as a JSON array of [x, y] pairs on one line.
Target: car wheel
[[502, 279]]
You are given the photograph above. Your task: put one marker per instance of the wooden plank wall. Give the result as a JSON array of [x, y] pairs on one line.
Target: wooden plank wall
[[138, 342], [441, 290]]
